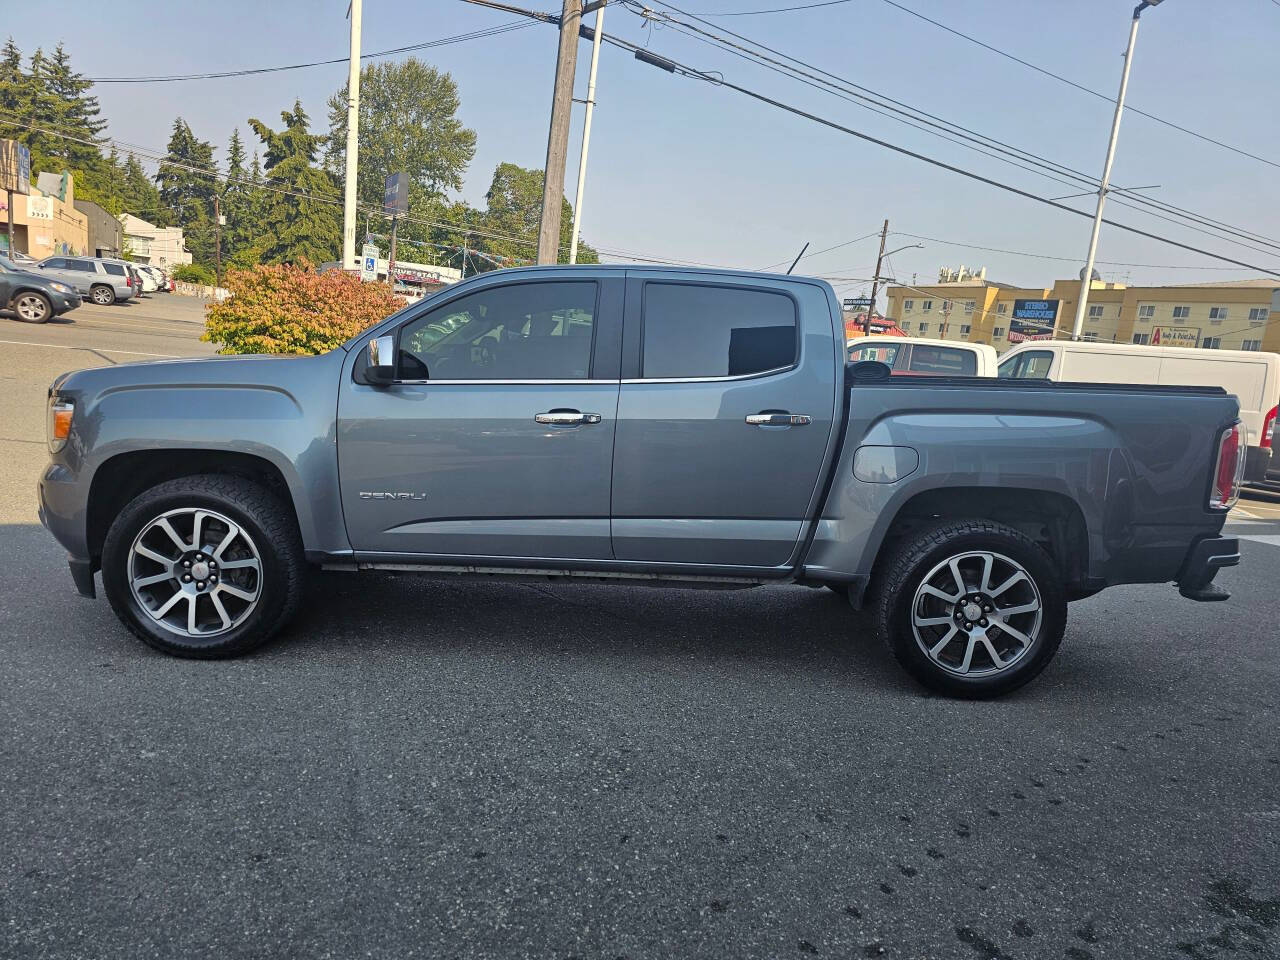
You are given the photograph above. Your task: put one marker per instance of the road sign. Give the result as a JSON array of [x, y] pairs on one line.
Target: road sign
[[857, 303], [395, 195], [369, 262], [1175, 337]]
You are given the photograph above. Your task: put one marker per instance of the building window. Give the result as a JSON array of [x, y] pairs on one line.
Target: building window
[[997, 333], [1251, 345], [1211, 343], [1217, 314], [1002, 308], [1181, 313], [1147, 311], [1095, 311], [924, 328], [908, 304], [926, 305], [906, 325], [1090, 335], [968, 306], [1258, 314], [964, 329], [1142, 338]]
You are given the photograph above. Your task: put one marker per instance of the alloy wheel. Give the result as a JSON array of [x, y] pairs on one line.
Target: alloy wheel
[[195, 572], [31, 308], [977, 614]]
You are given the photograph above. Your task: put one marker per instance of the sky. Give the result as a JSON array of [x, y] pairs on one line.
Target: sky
[[684, 170]]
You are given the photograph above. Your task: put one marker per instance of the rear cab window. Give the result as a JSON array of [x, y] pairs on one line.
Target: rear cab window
[[943, 361], [704, 331], [884, 353]]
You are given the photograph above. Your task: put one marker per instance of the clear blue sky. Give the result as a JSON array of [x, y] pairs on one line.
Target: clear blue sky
[[682, 169]]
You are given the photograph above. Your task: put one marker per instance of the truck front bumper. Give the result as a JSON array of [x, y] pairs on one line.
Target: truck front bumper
[[1205, 558]]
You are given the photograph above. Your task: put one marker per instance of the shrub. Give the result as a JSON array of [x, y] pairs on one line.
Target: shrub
[[294, 310], [194, 273]]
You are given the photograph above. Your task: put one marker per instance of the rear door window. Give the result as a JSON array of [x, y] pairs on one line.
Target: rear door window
[[115, 269], [84, 266], [702, 331]]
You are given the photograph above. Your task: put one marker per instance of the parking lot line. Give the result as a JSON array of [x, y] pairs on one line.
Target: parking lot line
[[65, 346]]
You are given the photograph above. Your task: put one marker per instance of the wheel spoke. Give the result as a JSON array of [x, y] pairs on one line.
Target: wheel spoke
[[249, 564], [991, 649], [144, 551], [168, 604], [222, 611], [235, 591], [164, 524], [941, 644], [954, 564], [191, 613], [1014, 632], [232, 531], [1023, 608], [931, 621], [968, 653], [148, 581], [195, 528], [935, 592], [1018, 577], [987, 562]]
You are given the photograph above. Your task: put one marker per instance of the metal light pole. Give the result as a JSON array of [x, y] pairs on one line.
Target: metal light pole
[[586, 136], [1082, 302], [353, 143]]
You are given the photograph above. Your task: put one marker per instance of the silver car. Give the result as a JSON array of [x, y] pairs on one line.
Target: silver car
[[102, 281]]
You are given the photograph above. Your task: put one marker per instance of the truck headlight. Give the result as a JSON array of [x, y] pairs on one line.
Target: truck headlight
[[58, 422]]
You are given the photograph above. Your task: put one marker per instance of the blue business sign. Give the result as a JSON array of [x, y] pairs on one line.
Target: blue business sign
[[1044, 310]]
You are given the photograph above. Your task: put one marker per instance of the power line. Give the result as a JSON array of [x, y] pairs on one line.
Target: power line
[[844, 86], [874, 233], [222, 74], [803, 6], [1081, 87]]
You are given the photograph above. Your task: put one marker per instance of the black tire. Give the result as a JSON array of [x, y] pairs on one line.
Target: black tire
[[31, 307], [839, 589], [906, 571], [259, 513], [102, 295]]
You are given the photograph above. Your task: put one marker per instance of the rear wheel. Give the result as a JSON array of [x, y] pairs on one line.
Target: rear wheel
[[102, 295], [205, 566], [32, 307], [972, 608]]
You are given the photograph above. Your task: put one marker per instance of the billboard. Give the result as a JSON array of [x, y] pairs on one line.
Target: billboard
[[395, 195], [1175, 337], [1033, 320], [856, 303], [15, 167]]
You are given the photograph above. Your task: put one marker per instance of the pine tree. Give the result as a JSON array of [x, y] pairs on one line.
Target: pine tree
[[307, 221], [235, 193], [16, 92], [139, 196], [76, 115], [187, 181]]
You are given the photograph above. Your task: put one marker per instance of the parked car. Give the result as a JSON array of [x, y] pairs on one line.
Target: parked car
[[942, 358], [147, 282], [1253, 376], [34, 298], [157, 276], [102, 281], [650, 426]]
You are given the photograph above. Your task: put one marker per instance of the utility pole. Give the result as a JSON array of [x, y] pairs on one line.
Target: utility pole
[[9, 207], [353, 143], [217, 239], [1082, 301], [875, 282], [391, 256], [586, 135], [558, 133], [946, 318]]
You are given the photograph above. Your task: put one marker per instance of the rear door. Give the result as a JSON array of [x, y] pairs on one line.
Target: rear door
[[725, 418]]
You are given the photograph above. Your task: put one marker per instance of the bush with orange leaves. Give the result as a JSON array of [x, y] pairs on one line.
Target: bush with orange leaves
[[294, 310]]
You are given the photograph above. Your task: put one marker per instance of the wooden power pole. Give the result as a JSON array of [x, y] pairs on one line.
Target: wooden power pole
[[217, 240], [558, 134], [875, 283]]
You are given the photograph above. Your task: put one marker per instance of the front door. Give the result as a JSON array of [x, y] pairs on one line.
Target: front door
[[496, 441], [724, 419]]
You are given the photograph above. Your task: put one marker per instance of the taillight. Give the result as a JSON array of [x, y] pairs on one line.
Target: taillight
[[1229, 469], [1269, 428]]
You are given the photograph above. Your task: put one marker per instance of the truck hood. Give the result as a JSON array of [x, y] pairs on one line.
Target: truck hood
[[262, 370]]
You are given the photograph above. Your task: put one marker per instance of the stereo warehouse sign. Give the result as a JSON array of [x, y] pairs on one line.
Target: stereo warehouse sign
[[1033, 320]]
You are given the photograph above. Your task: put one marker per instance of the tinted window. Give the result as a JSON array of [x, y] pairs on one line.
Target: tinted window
[[1032, 365], [950, 361], [114, 268], [521, 331], [56, 263], [82, 265], [707, 331]]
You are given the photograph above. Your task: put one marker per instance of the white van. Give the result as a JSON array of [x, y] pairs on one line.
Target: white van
[[1254, 378], [918, 355]]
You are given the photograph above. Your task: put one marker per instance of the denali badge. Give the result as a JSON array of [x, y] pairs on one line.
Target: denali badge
[[388, 495]]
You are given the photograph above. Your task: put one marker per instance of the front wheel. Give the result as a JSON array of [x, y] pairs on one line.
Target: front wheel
[[972, 608], [204, 566], [102, 295], [32, 307]]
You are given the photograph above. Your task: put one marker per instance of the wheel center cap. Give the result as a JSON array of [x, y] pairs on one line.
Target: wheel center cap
[[200, 570], [972, 611]]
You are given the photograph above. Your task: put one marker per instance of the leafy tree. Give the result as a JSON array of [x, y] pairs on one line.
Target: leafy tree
[[305, 223], [187, 185], [514, 209]]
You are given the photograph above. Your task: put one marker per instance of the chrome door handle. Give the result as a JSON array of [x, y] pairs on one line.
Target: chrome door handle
[[564, 418], [778, 419]]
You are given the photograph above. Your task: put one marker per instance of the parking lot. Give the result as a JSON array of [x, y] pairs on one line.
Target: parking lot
[[425, 769]]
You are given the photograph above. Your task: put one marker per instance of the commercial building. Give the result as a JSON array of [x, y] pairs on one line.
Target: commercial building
[[46, 223], [1233, 315], [161, 246], [106, 237]]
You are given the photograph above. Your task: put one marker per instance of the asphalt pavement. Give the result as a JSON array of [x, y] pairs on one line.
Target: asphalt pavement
[[452, 769]]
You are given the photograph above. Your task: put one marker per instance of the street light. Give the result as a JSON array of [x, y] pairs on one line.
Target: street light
[[875, 280], [1086, 278]]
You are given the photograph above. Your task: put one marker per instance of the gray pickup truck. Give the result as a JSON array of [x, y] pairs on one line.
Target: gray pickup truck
[[648, 426]]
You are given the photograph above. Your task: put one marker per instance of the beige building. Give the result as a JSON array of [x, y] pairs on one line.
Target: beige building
[[160, 246], [46, 223], [1234, 315]]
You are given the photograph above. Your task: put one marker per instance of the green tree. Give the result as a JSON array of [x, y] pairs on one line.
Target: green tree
[[306, 222], [514, 209], [138, 194], [186, 179], [235, 195], [75, 112], [17, 90]]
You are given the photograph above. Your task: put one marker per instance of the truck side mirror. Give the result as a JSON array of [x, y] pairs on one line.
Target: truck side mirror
[[381, 367]]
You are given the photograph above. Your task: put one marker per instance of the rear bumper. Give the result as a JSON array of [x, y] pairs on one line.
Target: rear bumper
[[1205, 558]]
